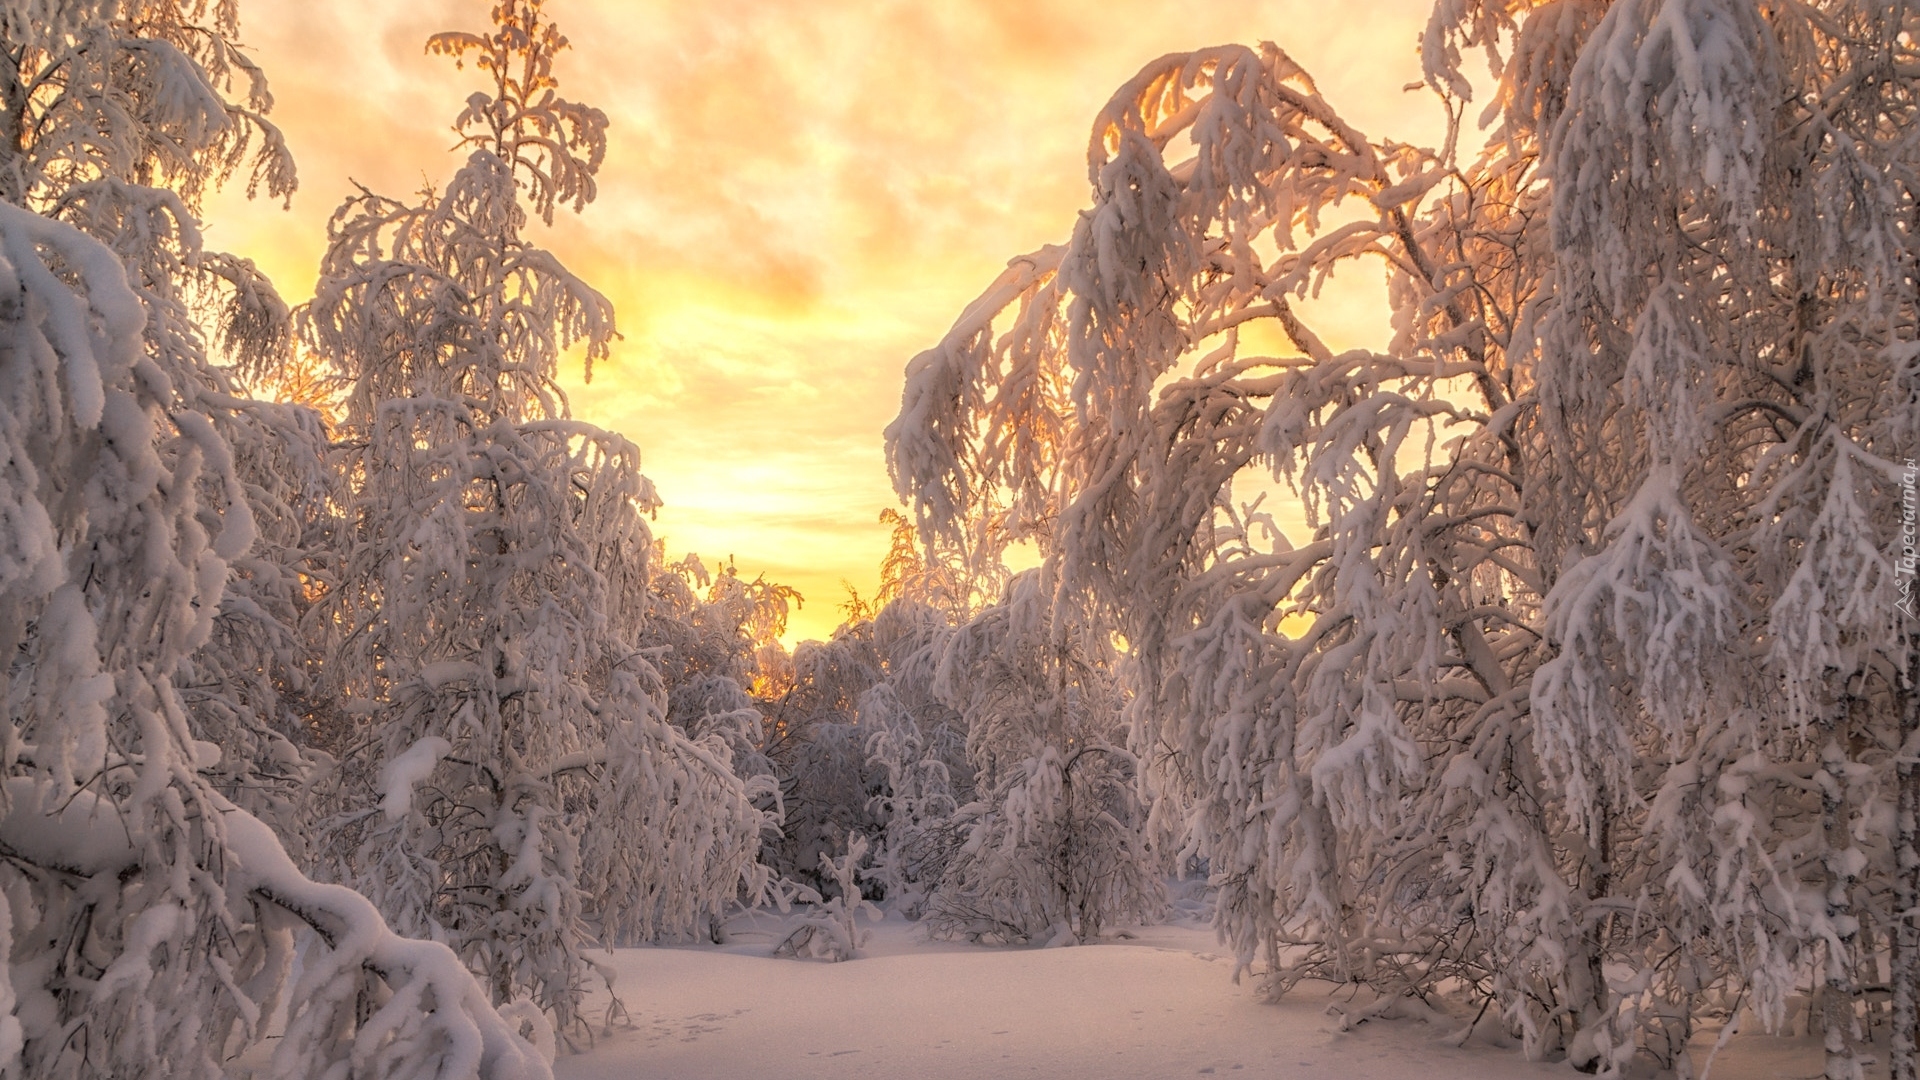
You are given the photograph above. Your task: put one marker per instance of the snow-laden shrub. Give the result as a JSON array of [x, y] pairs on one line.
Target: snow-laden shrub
[[1055, 848], [927, 778], [831, 931]]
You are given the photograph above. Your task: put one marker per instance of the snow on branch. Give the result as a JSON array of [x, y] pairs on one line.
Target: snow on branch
[[124, 872]]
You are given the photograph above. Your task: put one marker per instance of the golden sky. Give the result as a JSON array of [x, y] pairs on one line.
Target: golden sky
[[799, 196]]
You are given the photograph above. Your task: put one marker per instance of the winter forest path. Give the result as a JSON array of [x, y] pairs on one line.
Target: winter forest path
[[1160, 1006]]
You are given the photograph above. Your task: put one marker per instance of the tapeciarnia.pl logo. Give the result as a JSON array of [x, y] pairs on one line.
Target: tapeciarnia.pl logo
[[1903, 562]]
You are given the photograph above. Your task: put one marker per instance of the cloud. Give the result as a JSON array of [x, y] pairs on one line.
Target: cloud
[[797, 199]]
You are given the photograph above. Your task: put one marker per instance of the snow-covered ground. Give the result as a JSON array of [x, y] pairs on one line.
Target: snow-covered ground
[[1161, 1005]]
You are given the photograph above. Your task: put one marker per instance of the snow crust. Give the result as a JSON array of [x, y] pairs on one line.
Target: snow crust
[[1158, 1006]]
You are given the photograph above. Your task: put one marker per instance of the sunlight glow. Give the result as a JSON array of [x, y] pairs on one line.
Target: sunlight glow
[[798, 198]]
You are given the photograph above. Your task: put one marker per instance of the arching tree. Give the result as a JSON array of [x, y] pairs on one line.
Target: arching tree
[[1594, 613], [1267, 677], [517, 790]]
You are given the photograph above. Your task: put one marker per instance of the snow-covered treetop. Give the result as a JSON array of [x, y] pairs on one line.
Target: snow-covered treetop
[[445, 299], [451, 279], [117, 118], [149, 92], [1199, 164], [554, 145]]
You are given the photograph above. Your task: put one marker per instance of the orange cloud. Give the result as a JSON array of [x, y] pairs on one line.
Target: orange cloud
[[798, 198]]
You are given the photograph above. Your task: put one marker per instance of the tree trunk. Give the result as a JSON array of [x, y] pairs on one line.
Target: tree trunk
[[1839, 1028], [1586, 977]]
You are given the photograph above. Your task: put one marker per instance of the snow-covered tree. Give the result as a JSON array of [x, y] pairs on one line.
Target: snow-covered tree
[[919, 741], [855, 733], [1054, 847], [1589, 662], [1267, 677], [716, 641], [516, 789], [955, 581], [862, 742], [151, 925], [112, 95], [817, 747], [117, 118], [1732, 339]]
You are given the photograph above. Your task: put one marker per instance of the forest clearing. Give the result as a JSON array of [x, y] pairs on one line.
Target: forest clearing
[[1344, 595]]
